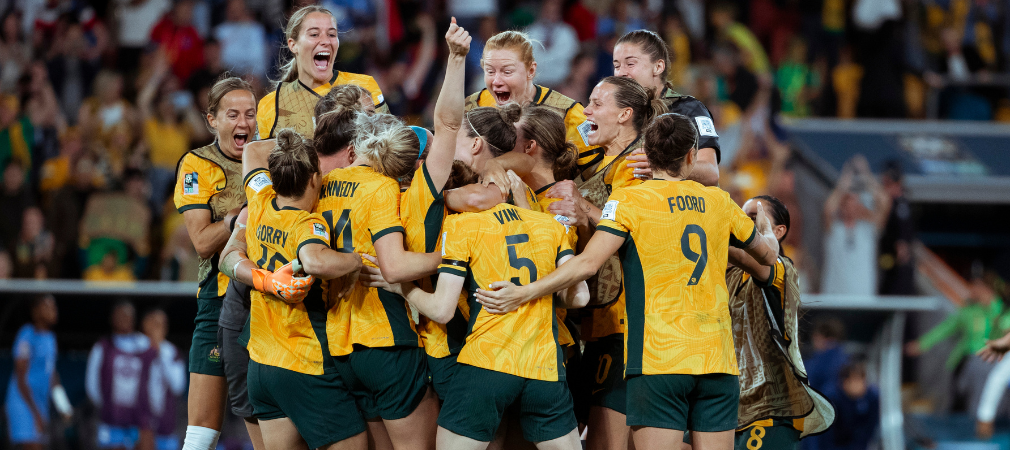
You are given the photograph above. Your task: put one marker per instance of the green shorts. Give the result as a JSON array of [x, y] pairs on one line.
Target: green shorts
[[204, 353], [479, 398], [319, 405], [601, 376], [386, 382], [441, 370], [782, 435], [705, 403]]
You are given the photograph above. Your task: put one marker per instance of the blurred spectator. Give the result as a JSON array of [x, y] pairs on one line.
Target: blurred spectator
[[581, 19], [558, 44], [64, 209], [14, 200], [171, 124], [243, 41], [57, 172], [857, 411], [959, 64], [179, 39], [35, 378], [201, 81], [881, 53], [106, 108], [72, 63], [109, 269], [624, 17], [580, 80], [43, 111], [137, 19], [680, 50], [897, 261], [469, 13], [854, 214], [973, 324], [17, 135], [33, 253], [752, 54], [6, 265], [117, 222], [15, 52], [168, 379], [796, 81], [828, 358], [179, 260], [118, 382], [847, 77], [407, 72], [736, 83]]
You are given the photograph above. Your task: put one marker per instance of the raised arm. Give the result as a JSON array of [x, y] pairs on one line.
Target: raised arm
[[764, 248], [741, 259], [255, 155], [449, 106], [834, 200]]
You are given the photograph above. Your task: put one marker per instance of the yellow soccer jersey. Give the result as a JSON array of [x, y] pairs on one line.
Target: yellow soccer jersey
[[270, 106], [208, 179], [281, 334], [564, 336], [508, 243], [576, 125], [422, 211], [360, 206], [609, 319], [674, 259]]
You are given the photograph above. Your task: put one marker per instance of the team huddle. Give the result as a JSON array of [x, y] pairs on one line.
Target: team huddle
[[529, 270]]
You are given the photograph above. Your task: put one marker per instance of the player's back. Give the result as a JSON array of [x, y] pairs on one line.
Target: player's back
[[508, 243], [281, 334]]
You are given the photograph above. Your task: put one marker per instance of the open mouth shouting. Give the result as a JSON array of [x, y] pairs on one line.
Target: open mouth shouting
[[502, 96], [321, 60], [240, 139], [593, 128]]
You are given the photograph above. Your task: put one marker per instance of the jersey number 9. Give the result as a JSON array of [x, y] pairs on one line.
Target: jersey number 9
[[700, 259]]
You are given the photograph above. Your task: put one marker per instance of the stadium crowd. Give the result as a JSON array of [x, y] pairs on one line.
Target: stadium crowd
[[101, 99]]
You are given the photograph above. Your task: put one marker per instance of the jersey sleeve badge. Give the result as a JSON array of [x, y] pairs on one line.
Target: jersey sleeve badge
[[319, 230], [705, 126], [610, 210], [584, 128], [191, 184], [260, 181]]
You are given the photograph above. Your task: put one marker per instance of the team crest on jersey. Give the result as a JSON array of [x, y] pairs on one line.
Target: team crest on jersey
[[584, 128], [215, 354], [190, 184], [705, 126], [319, 230], [610, 210]]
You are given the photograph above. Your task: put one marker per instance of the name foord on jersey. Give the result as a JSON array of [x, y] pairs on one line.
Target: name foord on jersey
[[339, 188], [686, 203], [271, 235]]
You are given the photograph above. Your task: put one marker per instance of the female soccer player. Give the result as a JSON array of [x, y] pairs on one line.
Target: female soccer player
[[777, 405], [312, 38], [209, 194], [293, 384], [619, 110], [643, 56], [371, 332], [681, 367], [509, 70], [512, 360]]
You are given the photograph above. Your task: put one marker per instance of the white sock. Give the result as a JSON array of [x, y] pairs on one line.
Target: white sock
[[200, 438]]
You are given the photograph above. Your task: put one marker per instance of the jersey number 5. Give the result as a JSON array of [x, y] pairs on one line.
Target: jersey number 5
[[341, 232], [700, 259], [515, 261]]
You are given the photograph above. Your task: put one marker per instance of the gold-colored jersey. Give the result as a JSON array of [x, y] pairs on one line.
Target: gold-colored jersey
[[208, 179], [677, 236], [360, 206], [576, 124], [292, 104], [508, 243], [281, 334], [564, 335], [422, 211], [608, 319]]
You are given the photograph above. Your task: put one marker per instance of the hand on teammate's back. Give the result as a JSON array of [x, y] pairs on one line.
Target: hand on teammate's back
[[640, 163]]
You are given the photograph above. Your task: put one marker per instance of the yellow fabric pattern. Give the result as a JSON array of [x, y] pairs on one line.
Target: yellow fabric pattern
[[360, 206], [576, 126], [674, 259], [564, 336], [422, 236], [280, 333], [267, 110], [508, 243], [166, 143]]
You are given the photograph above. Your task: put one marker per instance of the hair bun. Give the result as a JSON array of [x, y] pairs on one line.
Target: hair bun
[[288, 138], [510, 113]]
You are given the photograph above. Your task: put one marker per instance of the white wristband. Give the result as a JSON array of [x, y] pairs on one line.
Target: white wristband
[[61, 401], [234, 269]]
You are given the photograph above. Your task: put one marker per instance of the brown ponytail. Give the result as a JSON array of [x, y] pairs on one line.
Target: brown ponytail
[[495, 125], [335, 129], [643, 102], [668, 139], [292, 163], [546, 126]]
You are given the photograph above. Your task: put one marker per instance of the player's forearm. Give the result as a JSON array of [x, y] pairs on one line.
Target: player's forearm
[[576, 296], [741, 259], [473, 198], [765, 248], [404, 266], [706, 169], [438, 306], [518, 162], [326, 264], [577, 270], [449, 106], [234, 263], [211, 238]]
